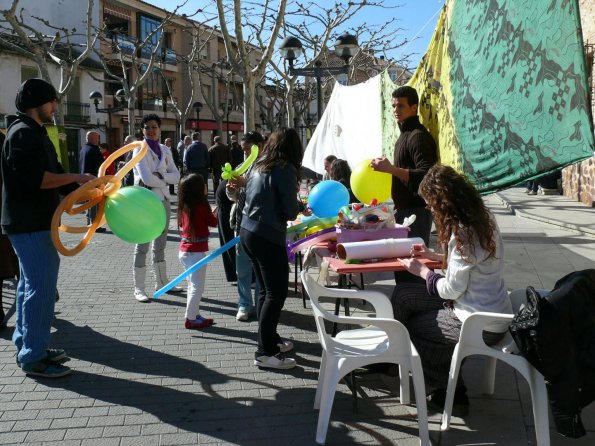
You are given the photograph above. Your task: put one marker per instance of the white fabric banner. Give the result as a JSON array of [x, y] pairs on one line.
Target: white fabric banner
[[350, 127]]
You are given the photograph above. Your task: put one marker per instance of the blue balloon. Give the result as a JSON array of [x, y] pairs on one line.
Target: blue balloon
[[327, 198]]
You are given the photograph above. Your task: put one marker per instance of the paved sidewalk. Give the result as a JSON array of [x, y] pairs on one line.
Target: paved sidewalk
[[141, 378]]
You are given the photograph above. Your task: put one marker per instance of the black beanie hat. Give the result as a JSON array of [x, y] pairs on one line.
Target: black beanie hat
[[34, 93]]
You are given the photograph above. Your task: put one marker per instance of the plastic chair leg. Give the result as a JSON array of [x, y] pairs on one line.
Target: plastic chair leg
[[321, 381], [540, 408], [405, 394], [455, 367], [420, 401], [326, 405]]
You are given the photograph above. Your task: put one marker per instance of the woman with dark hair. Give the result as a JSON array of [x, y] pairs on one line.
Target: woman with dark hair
[[472, 254], [155, 171], [341, 172], [271, 201]]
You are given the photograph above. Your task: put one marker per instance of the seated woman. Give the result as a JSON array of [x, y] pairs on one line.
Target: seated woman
[[434, 312], [341, 172]]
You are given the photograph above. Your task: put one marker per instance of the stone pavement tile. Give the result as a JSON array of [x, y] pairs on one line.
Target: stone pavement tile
[[45, 435], [69, 422], [144, 440], [62, 443], [178, 439], [28, 425], [101, 442], [83, 433], [12, 437]]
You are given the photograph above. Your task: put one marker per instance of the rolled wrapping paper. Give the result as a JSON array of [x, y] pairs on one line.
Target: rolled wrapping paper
[[377, 249]]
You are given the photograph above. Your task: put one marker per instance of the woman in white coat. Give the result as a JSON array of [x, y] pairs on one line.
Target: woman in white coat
[[155, 171]]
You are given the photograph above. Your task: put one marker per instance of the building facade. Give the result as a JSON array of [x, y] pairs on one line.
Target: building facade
[[578, 180], [124, 23]]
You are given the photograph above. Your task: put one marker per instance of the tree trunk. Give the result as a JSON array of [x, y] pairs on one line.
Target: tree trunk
[[249, 99]]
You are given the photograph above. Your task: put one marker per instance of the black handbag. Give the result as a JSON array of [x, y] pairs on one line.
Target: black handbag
[[523, 327]]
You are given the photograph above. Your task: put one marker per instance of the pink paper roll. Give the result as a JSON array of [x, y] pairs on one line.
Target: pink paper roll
[[377, 249]]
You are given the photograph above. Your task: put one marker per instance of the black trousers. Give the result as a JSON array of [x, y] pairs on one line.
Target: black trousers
[[271, 268]]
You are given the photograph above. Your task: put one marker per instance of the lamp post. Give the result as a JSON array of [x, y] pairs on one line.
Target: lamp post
[[345, 47], [197, 106], [97, 97]]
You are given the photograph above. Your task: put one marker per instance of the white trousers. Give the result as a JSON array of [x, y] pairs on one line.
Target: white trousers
[[196, 282]]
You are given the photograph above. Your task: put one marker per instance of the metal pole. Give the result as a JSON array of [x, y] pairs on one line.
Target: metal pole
[[319, 96], [109, 127]]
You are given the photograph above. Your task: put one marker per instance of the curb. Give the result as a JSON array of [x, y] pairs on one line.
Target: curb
[[518, 211]]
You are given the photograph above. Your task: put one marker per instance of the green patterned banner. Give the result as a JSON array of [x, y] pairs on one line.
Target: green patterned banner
[[503, 89]]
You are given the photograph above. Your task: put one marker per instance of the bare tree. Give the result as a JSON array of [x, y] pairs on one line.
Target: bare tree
[[306, 18], [240, 52], [136, 59], [20, 31]]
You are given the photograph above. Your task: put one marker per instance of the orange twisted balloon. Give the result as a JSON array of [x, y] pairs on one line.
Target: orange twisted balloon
[[93, 193]]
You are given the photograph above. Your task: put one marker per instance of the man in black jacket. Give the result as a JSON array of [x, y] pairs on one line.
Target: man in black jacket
[[31, 179], [90, 159], [415, 153], [196, 158]]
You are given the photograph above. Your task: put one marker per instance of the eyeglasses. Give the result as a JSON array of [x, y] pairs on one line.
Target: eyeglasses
[[150, 128]]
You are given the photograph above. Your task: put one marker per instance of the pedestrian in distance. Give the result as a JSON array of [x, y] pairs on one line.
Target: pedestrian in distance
[[174, 154], [219, 155], [196, 158], [32, 179], [237, 154], [90, 160], [194, 218]]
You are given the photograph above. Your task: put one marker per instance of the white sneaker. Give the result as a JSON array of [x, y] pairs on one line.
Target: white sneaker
[[242, 315], [285, 345], [532, 193], [141, 295], [273, 362]]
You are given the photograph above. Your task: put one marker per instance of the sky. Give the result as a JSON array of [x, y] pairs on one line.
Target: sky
[[417, 18]]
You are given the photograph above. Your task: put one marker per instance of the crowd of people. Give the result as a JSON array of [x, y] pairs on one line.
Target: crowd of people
[[255, 206]]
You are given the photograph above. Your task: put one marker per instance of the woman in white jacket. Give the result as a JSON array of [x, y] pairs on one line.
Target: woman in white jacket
[[155, 171], [472, 254]]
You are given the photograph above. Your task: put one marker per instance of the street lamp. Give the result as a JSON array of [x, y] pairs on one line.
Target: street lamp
[[97, 97], [197, 106], [345, 47]]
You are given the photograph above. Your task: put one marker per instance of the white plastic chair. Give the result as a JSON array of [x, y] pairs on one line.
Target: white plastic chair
[[384, 340], [471, 343]]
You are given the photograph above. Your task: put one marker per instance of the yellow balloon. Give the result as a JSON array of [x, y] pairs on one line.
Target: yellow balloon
[[367, 184]]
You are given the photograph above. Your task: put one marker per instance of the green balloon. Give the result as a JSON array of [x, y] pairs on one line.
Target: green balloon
[[135, 214]]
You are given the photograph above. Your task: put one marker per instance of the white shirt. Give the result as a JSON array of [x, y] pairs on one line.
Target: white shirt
[[150, 164], [476, 283]]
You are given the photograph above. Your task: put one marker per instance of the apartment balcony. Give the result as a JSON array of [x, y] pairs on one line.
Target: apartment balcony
[[76, 112]]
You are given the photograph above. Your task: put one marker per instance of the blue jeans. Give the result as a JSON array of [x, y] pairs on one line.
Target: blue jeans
[[244, 272], [39, 264]]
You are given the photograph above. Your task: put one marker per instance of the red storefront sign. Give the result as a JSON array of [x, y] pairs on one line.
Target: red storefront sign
[[192, 124]]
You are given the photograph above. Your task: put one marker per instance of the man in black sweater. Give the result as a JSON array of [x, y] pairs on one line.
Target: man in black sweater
[[32, 177], [415, 153]]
